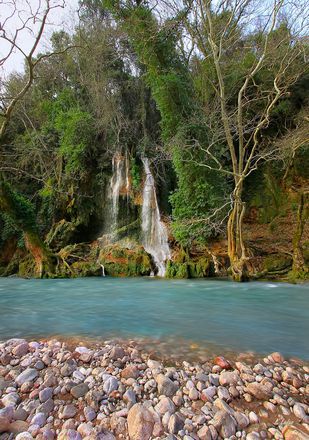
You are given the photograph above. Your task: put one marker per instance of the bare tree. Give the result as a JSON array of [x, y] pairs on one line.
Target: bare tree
[[234, 28], [23, 19]]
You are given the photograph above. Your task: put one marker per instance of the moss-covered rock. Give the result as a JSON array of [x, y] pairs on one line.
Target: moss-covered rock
[[279, 262], [119, 261], [61, 234], [197, 267]]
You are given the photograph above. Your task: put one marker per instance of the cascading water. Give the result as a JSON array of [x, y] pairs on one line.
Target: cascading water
[[119, 185], [155, 238]]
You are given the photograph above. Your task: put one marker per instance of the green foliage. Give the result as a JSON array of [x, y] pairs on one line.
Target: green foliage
[[17, 207], [75, 129], [135, 174]]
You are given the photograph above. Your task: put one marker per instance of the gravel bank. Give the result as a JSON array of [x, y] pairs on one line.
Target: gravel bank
[[52, 390]]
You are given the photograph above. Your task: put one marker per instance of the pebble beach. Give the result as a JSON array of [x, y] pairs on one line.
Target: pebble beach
[[58, 390]]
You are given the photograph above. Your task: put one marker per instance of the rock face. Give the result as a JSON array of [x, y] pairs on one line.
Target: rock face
[[140, 422]]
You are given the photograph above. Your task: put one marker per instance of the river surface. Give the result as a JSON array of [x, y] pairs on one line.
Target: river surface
[[179, 314]]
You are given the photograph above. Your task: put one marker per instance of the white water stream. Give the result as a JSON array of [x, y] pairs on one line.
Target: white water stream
[[154, 232]]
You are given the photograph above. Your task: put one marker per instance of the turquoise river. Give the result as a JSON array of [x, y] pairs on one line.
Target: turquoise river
[[203, 314]]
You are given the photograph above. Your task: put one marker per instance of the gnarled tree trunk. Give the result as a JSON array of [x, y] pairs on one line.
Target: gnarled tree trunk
[[236, 246], [302, 215]]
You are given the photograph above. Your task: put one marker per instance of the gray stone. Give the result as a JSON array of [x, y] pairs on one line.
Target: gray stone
[[46, 407], [89, 413], [117, 353], [68, 412], [165, 405], [39, 419], [166, 386], [10, 399], [7, 412], [111, 384], [24, 436], [224, 423], [45, 394], [299, 411], [129, 397], [29, 375], [175, 423], [79, 390]]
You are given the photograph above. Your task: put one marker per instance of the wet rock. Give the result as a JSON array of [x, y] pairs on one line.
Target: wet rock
[[29, 375], [140, 422], [222, 362], [166, 386], [277, 357]]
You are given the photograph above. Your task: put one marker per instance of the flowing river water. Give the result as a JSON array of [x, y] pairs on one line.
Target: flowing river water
[[177, 316]]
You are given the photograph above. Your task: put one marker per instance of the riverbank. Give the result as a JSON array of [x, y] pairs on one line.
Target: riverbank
[[55, 390]]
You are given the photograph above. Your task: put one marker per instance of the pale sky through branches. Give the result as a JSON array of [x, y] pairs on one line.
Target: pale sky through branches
[[60, 18]]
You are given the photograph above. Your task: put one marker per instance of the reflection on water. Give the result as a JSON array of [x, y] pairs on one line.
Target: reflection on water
[[179, 316]]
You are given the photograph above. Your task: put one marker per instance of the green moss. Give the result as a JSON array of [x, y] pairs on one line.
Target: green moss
[[86, 269], [277, 262], [27, 267], [119, 261], [184, 267]]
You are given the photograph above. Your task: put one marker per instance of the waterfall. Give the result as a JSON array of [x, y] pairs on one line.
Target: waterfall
[[154, 233], [103, 270], [119, 185]]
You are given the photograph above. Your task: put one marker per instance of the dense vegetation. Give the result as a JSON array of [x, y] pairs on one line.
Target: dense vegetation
[[214, 97]]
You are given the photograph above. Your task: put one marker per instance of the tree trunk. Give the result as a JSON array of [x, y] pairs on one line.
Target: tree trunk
[[302, 214], [20, 211], [236, 246]]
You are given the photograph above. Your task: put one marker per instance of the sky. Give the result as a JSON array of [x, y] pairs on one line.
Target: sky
[[64, 17]]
